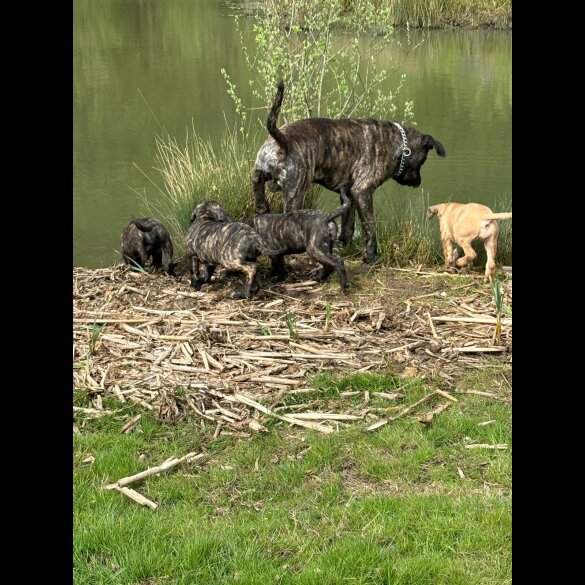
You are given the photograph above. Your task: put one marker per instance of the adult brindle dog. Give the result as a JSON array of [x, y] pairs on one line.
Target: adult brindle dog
[[346, 155]]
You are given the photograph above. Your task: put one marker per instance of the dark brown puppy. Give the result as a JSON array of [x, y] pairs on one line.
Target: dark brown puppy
[[147, 238], [214, 240], [355, 156], [305, 230]]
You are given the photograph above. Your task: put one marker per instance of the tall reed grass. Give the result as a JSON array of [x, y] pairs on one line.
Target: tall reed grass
[[197, 171], [433, 13]]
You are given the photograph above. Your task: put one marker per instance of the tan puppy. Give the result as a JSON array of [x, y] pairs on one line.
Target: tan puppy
[[464, 222]]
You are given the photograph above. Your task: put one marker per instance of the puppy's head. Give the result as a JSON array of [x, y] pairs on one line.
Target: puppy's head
[[433, 210], [210, 210]]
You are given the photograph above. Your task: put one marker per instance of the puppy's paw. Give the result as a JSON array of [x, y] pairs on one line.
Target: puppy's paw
[[370, 258], [261, 208], [279, 276], [318, 275]]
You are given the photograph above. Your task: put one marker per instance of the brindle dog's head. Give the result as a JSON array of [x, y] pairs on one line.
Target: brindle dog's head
[[210, 210], [419, 145]]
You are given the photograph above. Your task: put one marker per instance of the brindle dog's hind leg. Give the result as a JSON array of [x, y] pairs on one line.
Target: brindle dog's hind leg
[[321, 253], [157, 258], [251, 285], [365, 208], [260, 202]]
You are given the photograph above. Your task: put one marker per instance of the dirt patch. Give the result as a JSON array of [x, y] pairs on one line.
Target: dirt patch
[[150, 340]]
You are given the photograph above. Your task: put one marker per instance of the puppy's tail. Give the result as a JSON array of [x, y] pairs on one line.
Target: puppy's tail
[[507, 215], [273, 117], [143, 225], [346, 202]]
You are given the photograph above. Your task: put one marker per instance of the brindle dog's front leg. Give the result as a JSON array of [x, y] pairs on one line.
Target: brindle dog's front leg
[[207, 272], [279, 271], [196, 282], [365, 208]]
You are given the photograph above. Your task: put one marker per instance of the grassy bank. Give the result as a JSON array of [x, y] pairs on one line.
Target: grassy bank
[[435, 13], [450, 13], [157, 369], [196, 170], [408, 504]]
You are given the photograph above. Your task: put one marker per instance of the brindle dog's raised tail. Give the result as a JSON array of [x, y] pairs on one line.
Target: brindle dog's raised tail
[[273, 117]]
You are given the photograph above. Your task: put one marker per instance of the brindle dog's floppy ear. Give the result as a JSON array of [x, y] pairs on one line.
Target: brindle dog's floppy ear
[[430, 142], [219, 214], [197, 210]]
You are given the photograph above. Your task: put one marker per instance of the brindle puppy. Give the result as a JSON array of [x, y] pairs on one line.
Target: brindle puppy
[[306, 230], [348, 154], [147, 238], [214, 240]]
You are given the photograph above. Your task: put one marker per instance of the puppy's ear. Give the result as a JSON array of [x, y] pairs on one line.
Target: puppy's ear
[[200, 210], [432, 210], [429, 142], [220, 214]]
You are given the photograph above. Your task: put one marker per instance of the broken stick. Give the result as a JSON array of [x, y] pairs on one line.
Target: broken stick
[[401, 413], [289, 419], [169, 464], [138, 498]]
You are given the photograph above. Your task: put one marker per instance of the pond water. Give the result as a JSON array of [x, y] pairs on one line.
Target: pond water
[[142, 65]]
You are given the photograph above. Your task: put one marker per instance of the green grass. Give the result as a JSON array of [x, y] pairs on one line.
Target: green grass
[[352, 507]]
